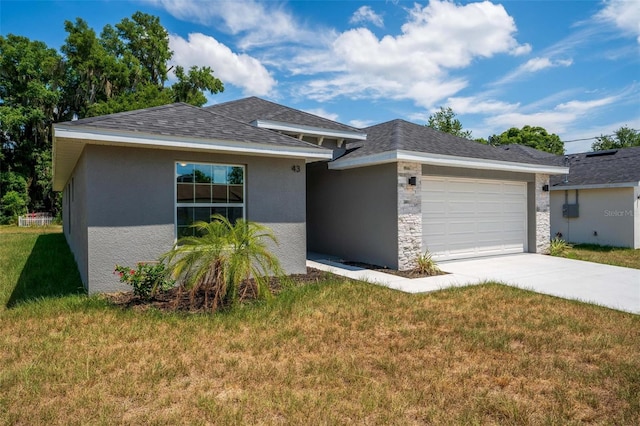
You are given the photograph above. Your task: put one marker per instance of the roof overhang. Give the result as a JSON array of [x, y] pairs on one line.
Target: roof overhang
[[444, 160], [309, 130], [68, 145], [568, 186]]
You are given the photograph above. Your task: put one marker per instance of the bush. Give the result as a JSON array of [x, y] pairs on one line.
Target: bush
[[426, 265], [12, 205], [559, 247], [146, 280]]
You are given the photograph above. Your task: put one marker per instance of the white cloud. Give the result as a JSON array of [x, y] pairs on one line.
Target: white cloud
[[238, 69], [475, 105], [361, 124], [256, 23], [537, 64], [531, 66], [624, 14], [415, 64], [321, 112], [557, 120], [365, 14]]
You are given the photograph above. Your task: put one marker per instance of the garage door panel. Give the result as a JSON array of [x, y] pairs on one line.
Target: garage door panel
[[473, 217]]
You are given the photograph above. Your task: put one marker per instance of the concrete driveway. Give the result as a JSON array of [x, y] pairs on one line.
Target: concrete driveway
[[610, 286]]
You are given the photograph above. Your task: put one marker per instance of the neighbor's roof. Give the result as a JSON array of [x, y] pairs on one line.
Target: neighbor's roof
[[252, 109], [175, 126], [422, 141], [602, 168]]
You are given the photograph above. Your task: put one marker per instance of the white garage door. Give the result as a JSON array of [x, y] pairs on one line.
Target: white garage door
[[464, 218]]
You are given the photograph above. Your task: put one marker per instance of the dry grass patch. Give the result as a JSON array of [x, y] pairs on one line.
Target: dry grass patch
[[334, 352]]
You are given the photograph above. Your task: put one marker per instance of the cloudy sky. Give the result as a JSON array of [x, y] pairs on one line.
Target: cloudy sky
[[572, 67]]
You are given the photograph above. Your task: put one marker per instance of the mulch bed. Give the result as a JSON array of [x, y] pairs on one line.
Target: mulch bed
[[177, 300], [404, 274]]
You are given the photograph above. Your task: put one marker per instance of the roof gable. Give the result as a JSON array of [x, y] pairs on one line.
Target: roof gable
[[251, 109], [602, 168], [186, 121], [401, 135]]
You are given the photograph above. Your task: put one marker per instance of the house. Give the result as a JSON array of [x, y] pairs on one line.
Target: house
[[408, 189], [133, 182], [598, 201]]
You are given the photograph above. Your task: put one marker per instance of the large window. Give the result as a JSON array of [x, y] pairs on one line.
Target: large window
[[203, 190]]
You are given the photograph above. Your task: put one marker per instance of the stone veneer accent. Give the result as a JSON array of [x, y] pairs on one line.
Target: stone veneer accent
[[543, 222], [409, 215]]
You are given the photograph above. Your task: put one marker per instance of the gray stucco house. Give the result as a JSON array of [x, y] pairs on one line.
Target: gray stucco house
[[598, 202], [132, 183]]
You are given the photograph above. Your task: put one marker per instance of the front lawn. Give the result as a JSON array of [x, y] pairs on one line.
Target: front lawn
[[617, 256], [335, 352]]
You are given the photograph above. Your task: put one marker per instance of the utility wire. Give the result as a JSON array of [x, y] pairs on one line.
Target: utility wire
[[593, 137]]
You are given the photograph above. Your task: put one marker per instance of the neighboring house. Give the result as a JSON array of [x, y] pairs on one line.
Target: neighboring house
[[133, 182], [598, 202]]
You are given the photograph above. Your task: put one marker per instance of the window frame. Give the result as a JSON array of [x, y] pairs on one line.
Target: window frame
[[211, 204]]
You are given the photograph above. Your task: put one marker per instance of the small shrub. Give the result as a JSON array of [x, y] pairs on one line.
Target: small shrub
[[426, 265], [559, 247], [146, 280]]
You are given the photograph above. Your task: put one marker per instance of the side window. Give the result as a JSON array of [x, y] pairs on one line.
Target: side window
[[203, 190]]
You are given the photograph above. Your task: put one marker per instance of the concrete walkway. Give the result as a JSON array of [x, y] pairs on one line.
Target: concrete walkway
[[605, 285]]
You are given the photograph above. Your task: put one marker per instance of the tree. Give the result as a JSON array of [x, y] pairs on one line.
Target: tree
[[445, 121], [624, 137], [31, 80], [534, 137], [223, 257], [125, 68], [189, 86]]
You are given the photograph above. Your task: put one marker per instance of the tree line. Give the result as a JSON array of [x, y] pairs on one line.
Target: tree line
[[532, 136], [124, 68]]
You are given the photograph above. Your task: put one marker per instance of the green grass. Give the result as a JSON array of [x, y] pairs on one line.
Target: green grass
[[618, 256], [330, 353], [36, 264]]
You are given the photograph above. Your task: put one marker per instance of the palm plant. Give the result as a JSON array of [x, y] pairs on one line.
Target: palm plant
[[223, 260]]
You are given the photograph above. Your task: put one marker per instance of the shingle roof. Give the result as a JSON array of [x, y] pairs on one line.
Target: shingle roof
[[402, 135], [184, 120], [251, 109], [603, 167]]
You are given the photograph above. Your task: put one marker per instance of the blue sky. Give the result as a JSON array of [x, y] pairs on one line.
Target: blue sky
[[569, 66]]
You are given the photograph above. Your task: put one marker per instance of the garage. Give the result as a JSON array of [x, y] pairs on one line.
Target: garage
[[463, 218]]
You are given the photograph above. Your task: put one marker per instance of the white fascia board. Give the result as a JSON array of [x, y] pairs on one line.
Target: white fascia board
[[445, 160], [308, 130], [596, 186], [150, 141]]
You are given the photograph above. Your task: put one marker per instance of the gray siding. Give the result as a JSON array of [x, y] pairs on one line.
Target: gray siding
[[611, 213], [130, 210], [353, 213]]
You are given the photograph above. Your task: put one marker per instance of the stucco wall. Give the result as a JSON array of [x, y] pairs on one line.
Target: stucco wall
[[609, 212], [353, 213], [74, 218], [131, 206]]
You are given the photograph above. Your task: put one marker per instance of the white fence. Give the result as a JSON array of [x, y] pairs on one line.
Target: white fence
[[35, 219]]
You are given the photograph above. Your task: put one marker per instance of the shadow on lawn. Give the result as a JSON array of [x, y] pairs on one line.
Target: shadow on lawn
[[50, 271]]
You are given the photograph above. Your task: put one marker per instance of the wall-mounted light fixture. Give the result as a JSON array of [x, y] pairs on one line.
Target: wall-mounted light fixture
[[545, 188], [412, 181]]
